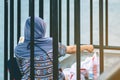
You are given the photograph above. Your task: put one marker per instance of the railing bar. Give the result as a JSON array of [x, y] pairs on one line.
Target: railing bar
[[74, 25], [91, 21], [41, 5], [5, 39], [77, 33], [18, 19], [68, 26], [32, 40], [54, 8], [108, 47], [101, 35], [29, 7], [60, 18], [11, 34], [51, 27], [106, 7]]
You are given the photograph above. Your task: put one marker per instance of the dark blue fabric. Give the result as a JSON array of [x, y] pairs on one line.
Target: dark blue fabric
[[12, 64]]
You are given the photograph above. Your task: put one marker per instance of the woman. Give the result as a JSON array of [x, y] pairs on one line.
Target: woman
[[42, 50]]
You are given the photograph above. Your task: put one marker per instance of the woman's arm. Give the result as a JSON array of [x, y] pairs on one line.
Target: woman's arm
[[72, 49]]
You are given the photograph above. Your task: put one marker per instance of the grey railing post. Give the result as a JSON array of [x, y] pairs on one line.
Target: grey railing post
[[91, 21], [106, 17], [77, 35], [101, 35], [41, 10], [68, 21], [54, 18], [18, 19], [32, 39], [60, 20], [51, 27], [11, 35], [29, 6], [5, 39]]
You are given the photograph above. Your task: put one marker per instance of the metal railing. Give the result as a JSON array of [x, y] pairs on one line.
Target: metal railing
[[32, 14], [5, 39], [55, 30]]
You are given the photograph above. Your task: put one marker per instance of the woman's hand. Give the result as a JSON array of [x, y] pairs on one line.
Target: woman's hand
[[88, 48]]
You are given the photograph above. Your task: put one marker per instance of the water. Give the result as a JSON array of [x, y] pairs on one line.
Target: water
[[114, 22]]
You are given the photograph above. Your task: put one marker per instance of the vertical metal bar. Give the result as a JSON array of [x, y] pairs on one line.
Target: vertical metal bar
[[54, 8], [18, 19], [106, 6], [11, 34], [60, 18], [77, 33], [32, 40], [51, 27], [74, 24], [29, 7], [68, 20], [101, 35], [5, 39], [91, 21], [41, 5]]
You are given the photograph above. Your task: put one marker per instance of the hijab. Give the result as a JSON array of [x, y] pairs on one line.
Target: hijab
[[23, 49]]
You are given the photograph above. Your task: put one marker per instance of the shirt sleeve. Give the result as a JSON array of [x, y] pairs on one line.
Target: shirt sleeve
[[61, 49]]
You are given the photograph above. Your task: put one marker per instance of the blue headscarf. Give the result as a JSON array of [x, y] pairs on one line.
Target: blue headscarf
[[23, 49], [40, 29]]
